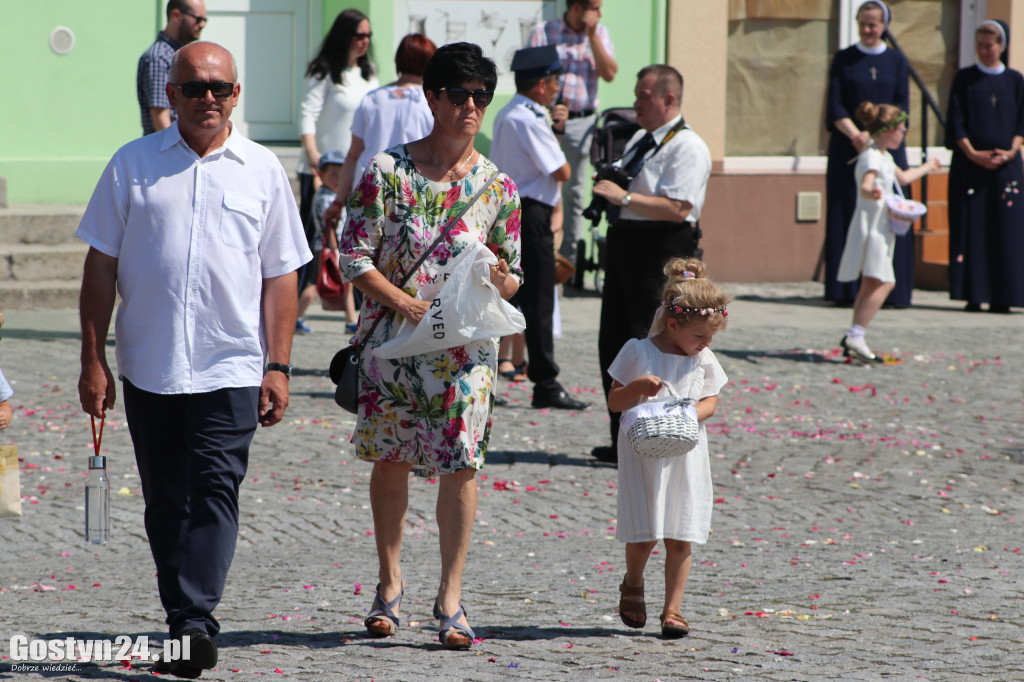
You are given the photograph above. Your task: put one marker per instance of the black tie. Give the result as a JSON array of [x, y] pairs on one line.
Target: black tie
[[632, 168], [641, 149]]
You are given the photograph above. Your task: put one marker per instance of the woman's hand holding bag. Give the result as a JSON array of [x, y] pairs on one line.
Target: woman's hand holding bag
[[344, 369], [465, 306]]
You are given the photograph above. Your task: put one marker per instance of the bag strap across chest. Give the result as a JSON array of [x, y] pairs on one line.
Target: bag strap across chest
[[437, 242]]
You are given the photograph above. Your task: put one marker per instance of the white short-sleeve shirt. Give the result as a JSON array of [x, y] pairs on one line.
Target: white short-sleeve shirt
[[388, 116], [194, 238], [527, 150], [679, 170]]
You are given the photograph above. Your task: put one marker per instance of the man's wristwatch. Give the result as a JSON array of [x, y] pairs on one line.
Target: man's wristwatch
[[278, 367], [626, 199]]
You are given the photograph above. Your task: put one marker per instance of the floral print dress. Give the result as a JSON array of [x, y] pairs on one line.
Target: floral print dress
[[431, 410]]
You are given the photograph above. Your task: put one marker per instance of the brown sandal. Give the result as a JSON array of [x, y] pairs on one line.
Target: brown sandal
[[673, 625], [631, 597]]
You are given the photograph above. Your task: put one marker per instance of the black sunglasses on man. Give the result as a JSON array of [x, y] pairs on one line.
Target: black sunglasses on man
[[199, 18], [197, 89]]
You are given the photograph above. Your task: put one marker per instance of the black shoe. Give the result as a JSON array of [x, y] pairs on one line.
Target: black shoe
[[1001, 309], [559, 400], [606, 453], [202, 655], [160, 666], [501, 401], [972, 308]]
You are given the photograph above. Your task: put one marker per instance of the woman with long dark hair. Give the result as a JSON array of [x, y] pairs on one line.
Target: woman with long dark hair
[[336, 81]]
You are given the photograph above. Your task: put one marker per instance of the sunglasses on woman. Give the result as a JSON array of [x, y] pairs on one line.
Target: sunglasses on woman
[[197, 89], [458, 96]]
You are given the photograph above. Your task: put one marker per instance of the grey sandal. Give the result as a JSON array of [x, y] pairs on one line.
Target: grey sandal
[[382, 621], [454, 635]]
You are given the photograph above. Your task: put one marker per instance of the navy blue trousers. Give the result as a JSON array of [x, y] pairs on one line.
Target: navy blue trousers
[[536, 295], [192, 452]]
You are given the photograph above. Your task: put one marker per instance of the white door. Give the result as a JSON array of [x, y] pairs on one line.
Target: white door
[[272, 42]]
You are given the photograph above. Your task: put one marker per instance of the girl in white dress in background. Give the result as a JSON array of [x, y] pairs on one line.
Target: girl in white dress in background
[[870, 243], [668, 498]]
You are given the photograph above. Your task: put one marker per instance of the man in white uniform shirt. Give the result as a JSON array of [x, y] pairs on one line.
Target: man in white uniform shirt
[[525, 147], [657, 217], [196, 228]]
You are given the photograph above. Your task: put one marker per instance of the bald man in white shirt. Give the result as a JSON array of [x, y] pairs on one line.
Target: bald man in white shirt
[[196, 227]]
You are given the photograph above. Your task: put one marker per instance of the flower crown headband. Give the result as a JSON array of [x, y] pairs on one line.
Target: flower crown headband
[[694, 311], [900, 118], [678, 310]]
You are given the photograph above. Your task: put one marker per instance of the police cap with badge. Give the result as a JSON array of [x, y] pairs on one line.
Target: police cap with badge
[[536, 62]]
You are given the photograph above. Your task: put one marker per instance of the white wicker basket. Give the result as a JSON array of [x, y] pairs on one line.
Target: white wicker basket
[[659, 428], [903, 212]]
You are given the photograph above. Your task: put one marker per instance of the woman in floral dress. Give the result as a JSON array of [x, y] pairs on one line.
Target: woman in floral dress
[[431, 410]]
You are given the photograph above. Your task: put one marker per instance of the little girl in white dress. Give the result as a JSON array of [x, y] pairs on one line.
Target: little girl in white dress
[[870, 243], [668, 498]]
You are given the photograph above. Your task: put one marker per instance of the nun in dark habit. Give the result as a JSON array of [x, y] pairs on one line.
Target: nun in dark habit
[[865, 71], [985, 129]]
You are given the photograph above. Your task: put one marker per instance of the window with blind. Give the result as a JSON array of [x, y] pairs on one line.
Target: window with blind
[[779, 52]]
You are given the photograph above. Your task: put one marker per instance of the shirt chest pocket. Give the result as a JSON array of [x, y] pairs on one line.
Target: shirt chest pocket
[[241, 222]]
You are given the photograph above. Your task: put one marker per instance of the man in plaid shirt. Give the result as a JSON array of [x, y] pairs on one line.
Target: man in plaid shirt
[[586, 52], [185, 20]]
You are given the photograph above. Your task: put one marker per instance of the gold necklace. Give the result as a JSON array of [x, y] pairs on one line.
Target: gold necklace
[[452, 173]]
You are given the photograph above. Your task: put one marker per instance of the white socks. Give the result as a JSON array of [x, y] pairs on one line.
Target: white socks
[[856, 333]]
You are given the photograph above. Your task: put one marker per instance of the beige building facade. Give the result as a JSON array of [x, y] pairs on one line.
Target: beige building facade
[[756, 75]]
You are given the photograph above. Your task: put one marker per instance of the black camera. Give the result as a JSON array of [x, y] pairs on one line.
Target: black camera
[[598, 205]]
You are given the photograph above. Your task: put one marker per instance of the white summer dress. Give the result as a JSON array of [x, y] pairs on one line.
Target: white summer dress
[[668, 497], [870, 242]]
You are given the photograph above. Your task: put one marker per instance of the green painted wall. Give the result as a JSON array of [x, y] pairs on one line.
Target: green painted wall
[[62, 117]]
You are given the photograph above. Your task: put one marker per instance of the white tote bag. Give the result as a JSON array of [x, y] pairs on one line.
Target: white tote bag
[[464, 307]]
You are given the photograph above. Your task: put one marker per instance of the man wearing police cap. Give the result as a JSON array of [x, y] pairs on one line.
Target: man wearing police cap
[[525, 147]]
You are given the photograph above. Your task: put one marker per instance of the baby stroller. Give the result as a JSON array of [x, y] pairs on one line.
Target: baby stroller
[[613, 129]]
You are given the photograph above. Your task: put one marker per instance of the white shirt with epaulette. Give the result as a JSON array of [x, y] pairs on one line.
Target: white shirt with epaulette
[[527, 150]]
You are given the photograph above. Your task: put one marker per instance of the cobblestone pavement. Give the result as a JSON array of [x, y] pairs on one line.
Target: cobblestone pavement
[[865, 520]]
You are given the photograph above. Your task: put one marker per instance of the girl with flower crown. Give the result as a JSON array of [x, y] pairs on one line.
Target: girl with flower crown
[[870, 242], [668, 498]]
